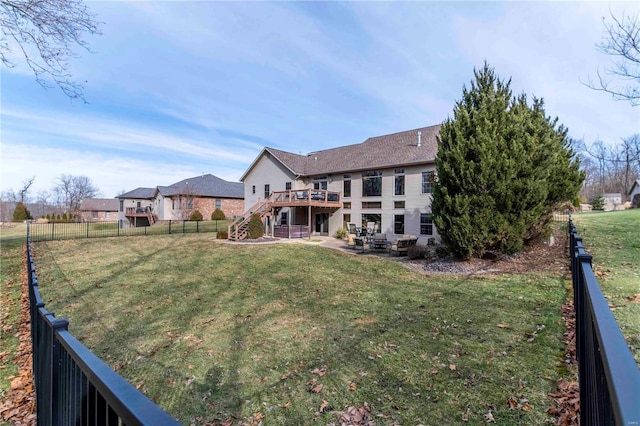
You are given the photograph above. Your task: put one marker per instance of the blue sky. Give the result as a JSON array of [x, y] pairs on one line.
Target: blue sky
[[177, 89]]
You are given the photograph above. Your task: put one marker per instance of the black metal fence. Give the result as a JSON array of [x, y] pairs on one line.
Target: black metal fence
[[73, 386], [69, 230], [608, 375]]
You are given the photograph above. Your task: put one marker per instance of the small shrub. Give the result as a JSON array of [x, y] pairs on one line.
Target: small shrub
[[64, 217], [218, 215], [417, 252], [341, 233], [59, 218], [48, 217], [256, 228], [222, 235], [196, 215]]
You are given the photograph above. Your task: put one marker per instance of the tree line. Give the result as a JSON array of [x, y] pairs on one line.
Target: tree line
[[64, 198]]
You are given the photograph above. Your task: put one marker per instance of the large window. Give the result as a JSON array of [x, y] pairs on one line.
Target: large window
[[398, 224], [218, 203], [399, 182], [189, 203], [372, 184], [267, 191], [426, 224], [427, 182], [121, 205], [346, 186], [284, 218], [287, 186], [320, 184], [375, 218]]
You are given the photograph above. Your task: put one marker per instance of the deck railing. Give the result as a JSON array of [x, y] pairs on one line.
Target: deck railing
[[608, 375], [72, 385]]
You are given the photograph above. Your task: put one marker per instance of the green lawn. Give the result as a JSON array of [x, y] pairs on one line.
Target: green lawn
[[214, 331], [613, 239]]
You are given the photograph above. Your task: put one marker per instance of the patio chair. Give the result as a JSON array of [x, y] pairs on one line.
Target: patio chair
[[351, 228], [403, 244], [379, 241]]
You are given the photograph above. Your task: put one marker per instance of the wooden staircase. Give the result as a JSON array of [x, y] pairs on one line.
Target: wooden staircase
[[152, 217], [238, 229]]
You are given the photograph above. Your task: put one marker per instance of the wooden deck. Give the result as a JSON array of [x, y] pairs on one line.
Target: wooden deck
[[305, 197]]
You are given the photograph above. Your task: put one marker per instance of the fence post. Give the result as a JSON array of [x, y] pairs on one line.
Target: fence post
[[169, 225], [197, 226], [54, 368], [184, 222], [87, 229], [53, 224]]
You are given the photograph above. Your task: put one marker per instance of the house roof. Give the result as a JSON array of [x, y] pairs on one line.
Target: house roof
[[204, 186], [139, 193], [636, 183], [396, 149], [100, 204]]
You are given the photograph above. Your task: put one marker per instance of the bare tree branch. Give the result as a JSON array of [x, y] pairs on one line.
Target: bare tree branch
[[46, 32], [622, 42]]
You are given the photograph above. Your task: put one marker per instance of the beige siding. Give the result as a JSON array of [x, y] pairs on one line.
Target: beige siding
[[415, 202], [266, 171]]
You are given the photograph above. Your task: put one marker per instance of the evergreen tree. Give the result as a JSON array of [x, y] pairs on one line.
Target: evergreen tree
[[256, 227], [502, 166], [597, 202], [21, 212]]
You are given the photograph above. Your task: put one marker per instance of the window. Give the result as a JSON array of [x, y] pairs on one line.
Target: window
[[372, 184], [189, 203], [107, 215], [426, 224], [371, 205], [287, 186], [320, 185], [375, 218], [284, 218], [427, 182], [218, 203], [267, 191], [173, 204], [346, 218], [253, 189], [121, 205], [94, 215], [398, 224], [398, 204], [399, 182], [346, 186], [346, 205]]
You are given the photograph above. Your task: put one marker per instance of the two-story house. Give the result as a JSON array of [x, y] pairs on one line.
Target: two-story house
[[386, 180]]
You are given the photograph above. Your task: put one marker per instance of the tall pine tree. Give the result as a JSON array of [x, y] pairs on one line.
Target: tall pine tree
[[502, 167]]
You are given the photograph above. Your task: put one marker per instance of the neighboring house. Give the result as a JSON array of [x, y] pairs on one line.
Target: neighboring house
[[145, 206], [634, 194], [99, 209], [386, 180], [137, 207], [612, 201]]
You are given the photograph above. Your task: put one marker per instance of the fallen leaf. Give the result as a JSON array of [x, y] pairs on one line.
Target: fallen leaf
[[317, 388], [287, 404], [502, 326], [352, 387], [489, 418], [452, 367]]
